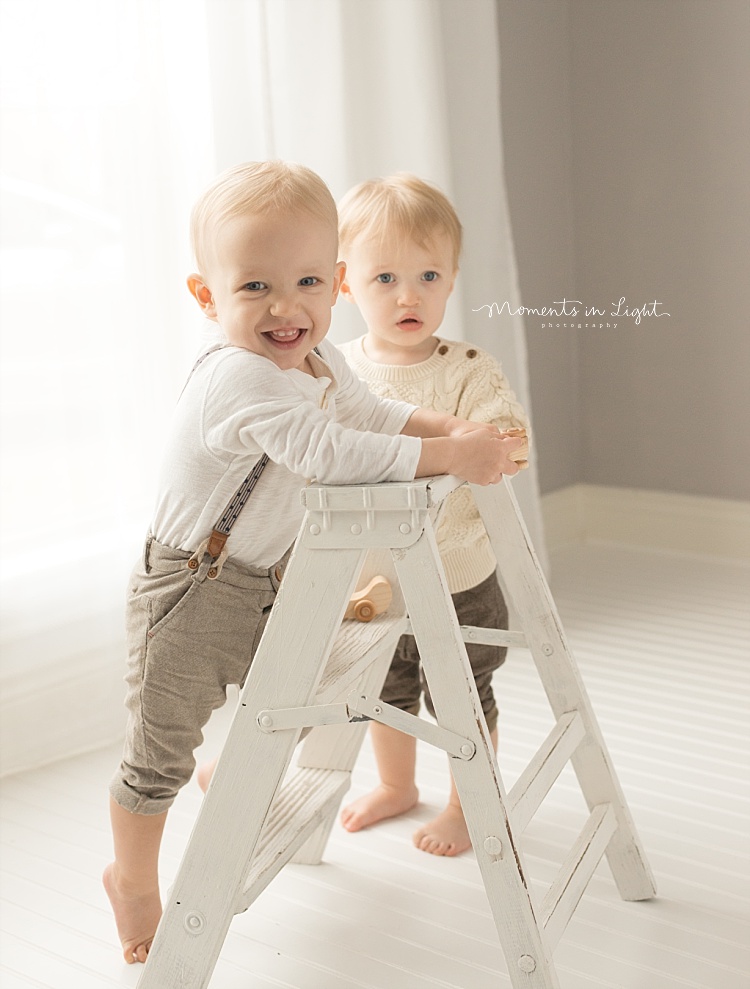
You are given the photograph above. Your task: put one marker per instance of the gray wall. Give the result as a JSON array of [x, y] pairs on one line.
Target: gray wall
[[627, 153]]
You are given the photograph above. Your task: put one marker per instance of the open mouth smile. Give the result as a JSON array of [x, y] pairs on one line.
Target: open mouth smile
[[285, 338]]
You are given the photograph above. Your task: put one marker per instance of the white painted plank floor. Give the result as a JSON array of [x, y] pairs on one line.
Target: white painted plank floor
[[663, 645]]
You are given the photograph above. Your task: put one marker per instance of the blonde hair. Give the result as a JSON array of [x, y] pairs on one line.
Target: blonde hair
[[259, 188], [402, 203]]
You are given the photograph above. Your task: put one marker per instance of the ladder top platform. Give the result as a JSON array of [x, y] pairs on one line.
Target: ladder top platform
[[422, 493]]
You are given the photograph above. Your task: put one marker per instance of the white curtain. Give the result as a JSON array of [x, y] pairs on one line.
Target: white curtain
[[115, 114], [106, 136]]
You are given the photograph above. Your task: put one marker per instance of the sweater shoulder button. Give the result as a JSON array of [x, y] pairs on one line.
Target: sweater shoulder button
[[442, 350]]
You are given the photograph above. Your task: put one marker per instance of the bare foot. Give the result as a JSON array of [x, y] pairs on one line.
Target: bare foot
[[377, 805], [204, 774], [446, 835], [137, 916]]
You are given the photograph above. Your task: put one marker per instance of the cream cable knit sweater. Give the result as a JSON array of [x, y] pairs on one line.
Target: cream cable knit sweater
[[467, 382]]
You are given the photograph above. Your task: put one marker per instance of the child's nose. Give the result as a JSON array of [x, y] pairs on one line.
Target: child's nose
[[409, 296], [285, 305]]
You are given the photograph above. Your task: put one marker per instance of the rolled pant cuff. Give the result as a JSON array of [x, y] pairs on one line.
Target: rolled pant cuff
[[136, 803]]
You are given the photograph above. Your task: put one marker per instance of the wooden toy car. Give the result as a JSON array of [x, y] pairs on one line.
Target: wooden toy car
[[372, 600]]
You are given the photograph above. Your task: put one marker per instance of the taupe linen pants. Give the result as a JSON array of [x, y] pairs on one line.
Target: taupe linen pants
[[192, 630]]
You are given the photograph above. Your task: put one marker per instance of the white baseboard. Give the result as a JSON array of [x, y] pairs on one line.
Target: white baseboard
[[659, 520]]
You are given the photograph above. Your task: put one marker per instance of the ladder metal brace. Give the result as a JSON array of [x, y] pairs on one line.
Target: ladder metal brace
[[359, 707], [314, 716]]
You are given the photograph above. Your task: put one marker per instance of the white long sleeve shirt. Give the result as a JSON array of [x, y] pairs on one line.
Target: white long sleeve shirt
[[238, 405]]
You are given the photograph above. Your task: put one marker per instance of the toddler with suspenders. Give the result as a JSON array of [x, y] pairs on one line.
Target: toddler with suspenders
[[275, 399]]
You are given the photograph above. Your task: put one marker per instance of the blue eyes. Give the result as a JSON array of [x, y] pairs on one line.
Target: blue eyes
[[307, 282], [387, 279]]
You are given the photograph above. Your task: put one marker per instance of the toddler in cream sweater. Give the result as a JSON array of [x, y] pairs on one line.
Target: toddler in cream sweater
[[401, 240]]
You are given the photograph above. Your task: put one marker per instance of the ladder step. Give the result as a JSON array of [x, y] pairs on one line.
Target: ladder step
[[299, 807], [577, 869], [357, 645], [535, 781]]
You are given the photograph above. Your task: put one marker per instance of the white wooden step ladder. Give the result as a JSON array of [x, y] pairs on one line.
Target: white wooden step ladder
[[313, 671]]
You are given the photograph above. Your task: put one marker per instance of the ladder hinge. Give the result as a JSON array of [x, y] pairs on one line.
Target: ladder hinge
[[359, 707], [455, 745], [314, 716]]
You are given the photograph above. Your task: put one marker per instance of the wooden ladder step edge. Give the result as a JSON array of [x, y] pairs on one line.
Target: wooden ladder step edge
[[576, 871], [300, 806], [357, 645]]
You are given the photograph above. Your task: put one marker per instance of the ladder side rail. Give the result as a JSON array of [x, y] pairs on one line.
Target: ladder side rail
[[285, 672], [562, 681], [447, 670]]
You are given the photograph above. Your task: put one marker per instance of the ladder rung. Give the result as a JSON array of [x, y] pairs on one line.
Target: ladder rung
[[492, 636], [486, 636], [535, 781], [298, 809], [578, 868], [357, 645]]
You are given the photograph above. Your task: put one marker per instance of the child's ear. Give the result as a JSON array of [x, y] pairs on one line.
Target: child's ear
[[347, 292], [202, 295], [338, 280]]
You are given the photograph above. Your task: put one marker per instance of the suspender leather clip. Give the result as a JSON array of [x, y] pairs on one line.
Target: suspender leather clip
[[216, 543]]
